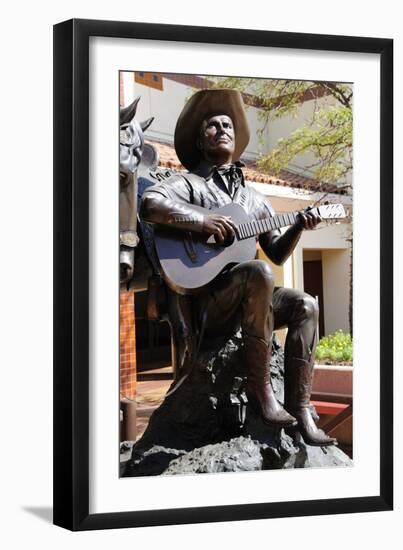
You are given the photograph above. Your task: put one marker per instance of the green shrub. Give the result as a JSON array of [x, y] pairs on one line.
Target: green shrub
[[337, 347]]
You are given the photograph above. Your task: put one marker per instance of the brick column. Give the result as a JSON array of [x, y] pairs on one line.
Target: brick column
[[128, 365]]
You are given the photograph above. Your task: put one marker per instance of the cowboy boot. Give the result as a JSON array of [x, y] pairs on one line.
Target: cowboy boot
[[298, 389], [257, 355]]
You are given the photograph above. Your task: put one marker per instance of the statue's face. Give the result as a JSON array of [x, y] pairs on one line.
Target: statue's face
[[217, 137]]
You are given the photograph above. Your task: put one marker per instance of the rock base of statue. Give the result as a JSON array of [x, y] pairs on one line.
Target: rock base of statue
[[205, 424]]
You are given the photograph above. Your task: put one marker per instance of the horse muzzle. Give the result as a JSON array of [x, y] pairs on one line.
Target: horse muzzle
[[126, 263], [128, 242]]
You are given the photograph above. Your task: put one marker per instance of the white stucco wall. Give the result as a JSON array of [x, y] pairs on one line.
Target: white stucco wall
[[332, 241], [332, 236], [284, 127], [336, 287]]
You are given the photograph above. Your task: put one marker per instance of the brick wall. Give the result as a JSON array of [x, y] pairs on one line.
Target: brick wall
[[127, 346]]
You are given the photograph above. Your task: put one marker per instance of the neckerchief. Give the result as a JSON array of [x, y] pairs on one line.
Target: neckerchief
[[232, 174]]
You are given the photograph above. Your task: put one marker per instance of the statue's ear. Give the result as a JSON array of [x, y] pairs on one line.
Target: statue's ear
[[146, 123], [127, 113]]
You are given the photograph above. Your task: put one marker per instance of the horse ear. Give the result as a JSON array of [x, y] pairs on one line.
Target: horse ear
[[146, 123], [127, 113]]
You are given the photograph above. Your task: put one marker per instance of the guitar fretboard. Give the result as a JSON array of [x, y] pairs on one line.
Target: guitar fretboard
[[256, 227]]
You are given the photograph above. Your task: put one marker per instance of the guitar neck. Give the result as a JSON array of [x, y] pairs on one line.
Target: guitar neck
[[254, 228]]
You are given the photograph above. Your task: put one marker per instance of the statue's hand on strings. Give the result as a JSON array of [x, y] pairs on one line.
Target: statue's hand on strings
[[222, 227]]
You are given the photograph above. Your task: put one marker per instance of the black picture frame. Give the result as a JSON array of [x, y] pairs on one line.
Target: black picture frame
[[71, 274]]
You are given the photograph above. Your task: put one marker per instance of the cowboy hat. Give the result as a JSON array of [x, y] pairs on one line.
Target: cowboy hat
[[201, 104]]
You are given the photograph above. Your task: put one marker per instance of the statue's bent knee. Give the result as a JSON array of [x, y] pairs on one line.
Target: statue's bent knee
[[310, 308], [260, 275]]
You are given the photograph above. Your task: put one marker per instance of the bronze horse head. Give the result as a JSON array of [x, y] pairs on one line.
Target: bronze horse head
[[131, 148]]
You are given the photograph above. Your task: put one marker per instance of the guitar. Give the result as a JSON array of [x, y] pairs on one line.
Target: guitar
[[190, 261]]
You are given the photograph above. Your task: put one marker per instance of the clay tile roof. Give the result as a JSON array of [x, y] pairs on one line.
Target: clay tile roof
[[168, 159]]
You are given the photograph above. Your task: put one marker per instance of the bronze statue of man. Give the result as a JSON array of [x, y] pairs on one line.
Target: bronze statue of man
[[210, 136]]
